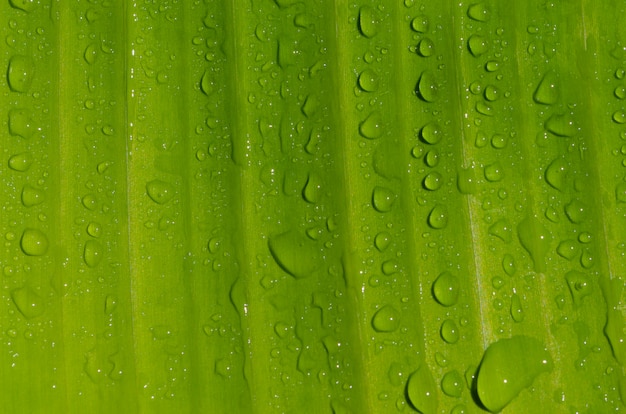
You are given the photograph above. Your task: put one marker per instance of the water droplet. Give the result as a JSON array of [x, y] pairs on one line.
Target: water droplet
[[484, 108], [24, 5], [536, 239], [20, 73], [491, 93], [295, 253], [206, 84], [619, 117], [561, 125], [383, 199], [368, 22], [159, 191], [508, 366], [368, 80], [425, 47], [20, 123], [508, 264], [466, 180], [620, 92], [427, 88], [579, 285], [575, 211], [28, 302], [452, 384], [557, 173], [438, 217], [421, 390], [479, 12], [493, 172], [371, 127], [449, 331], [459, 409], [517, 312], [477, 45], [497, 282], [499, 141], [492, 66], [110, 303], [32, 196], [446, 289], [94, 229], [20, 162], [382, 241], [620, 192], [312, 190], [432, 158], [92, 254], [501, 229], [420, 24], [34, 242], [431, 133], [433, 181], [91, 53], [567, 249], [310, 106], [386, 319], [90, 202], [547, 91]]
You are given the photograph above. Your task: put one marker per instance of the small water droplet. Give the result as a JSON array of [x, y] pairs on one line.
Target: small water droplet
[[446, 289], [620, 92], [561, 125], [433, 181], [371, 127], [508, 264], [547, 91], [420, 24], [295, 253], [368, 22], [427, 88], [368, 80], [508, 366], [34, 242], [431, 133], [383, 199], [497, 282], [20, 73], [28, 302], [32, 196], [425, 47], [579, 285], [619, 117], [421, 390], [382, 241], [517, 312], [159, 191], [536, 239], [492, 66], [386, 319], [501, 229], [479, 12], [452, 384], [92, 253], [477, 45], [449, 331], [21, 162], [438, 217], [432, 158]]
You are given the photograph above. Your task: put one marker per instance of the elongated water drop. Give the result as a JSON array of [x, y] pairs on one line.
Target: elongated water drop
[[547, 91], [20, 73], [206, 84], [24, 5], [557, 173], [422, 391], [368, 22], [517, 312], [508, 366], [536, 239], [427, 87], [312, 189], [295, 253], [92, 253]]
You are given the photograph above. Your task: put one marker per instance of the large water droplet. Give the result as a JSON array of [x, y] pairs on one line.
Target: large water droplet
[[20, 123], [34, 242], [368, 22], [536, 239], [477, 45], [452, 384], [386, 319], [438, 217], [383, 199], [446, 289], [20, 73], [579, 285], [557, 173], [422, 391], [561, 125], [427, 87], [479, 12], [32, 196], [547, 91], [295, 253], [28, 302], [371, 127], [368, 80], [449, 331], [159, 191], [508, 366], [20, 162], [92, 254]]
